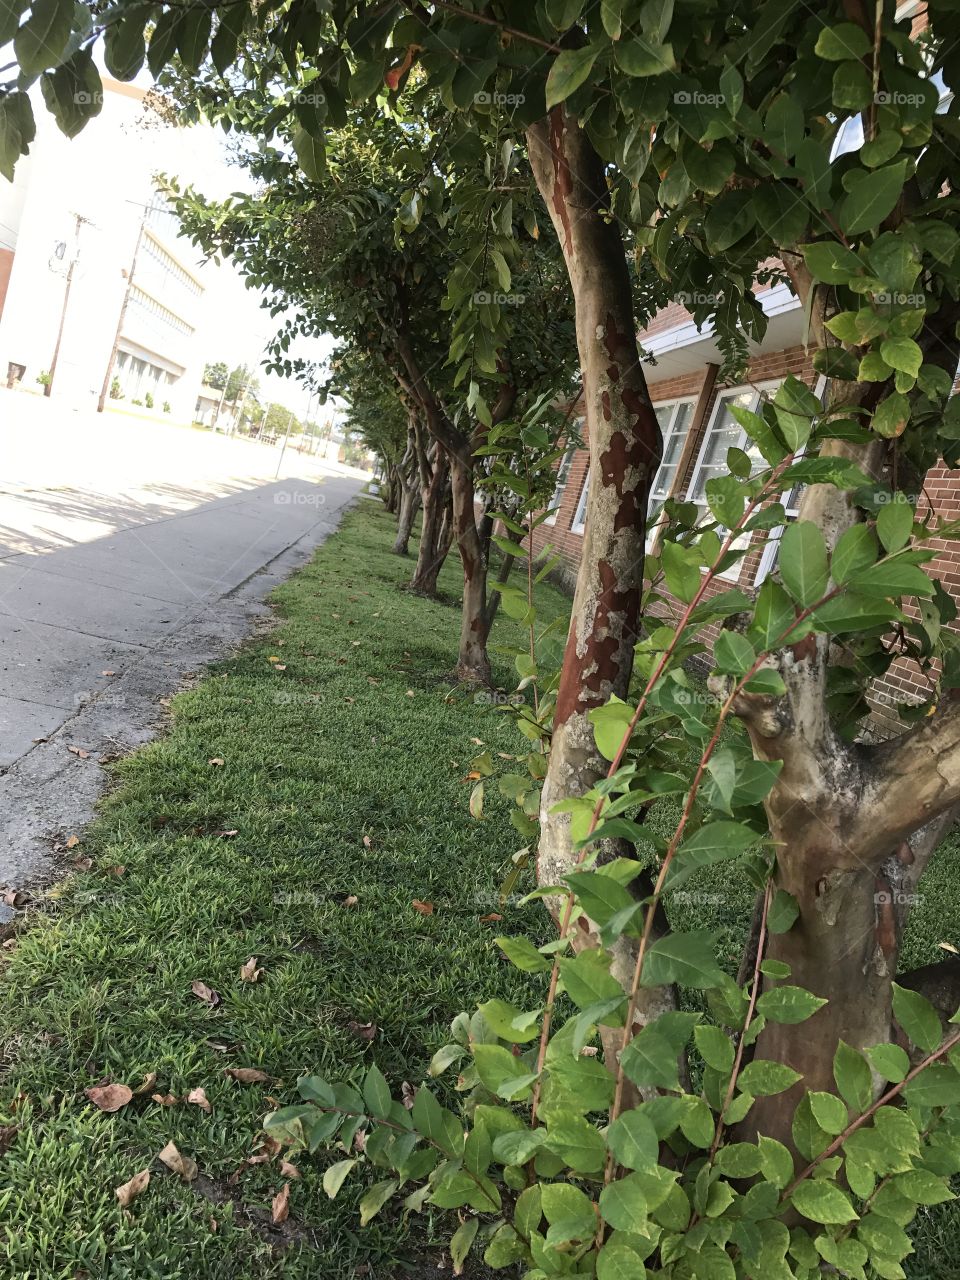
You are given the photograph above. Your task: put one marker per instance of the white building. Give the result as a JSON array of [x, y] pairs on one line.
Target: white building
[[90, 202]]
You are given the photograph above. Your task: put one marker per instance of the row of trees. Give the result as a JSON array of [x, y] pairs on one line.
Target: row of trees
[[411, 156]]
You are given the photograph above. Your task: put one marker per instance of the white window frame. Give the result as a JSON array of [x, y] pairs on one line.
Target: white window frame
[[759, 389], [563, 475], [675, 405], [579, 521]]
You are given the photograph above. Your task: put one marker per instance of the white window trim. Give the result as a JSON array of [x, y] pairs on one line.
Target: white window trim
[[563, 470], [579, 521], [653, 526], [733, 573]]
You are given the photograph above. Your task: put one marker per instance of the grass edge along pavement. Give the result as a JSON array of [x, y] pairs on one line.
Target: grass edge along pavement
[[325, 762]]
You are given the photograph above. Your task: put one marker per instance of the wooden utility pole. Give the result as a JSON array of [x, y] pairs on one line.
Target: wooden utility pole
[[108, 376], [80, 220]]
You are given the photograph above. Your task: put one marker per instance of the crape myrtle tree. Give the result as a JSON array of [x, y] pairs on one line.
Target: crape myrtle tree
[[390, 237], [799, 1126]]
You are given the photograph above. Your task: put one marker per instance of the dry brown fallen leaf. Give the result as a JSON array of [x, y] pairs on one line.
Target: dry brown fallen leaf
[[425, 908], [108, 673], [350, 900], [7, 1134], [109, 1097], [14, 898], [247, 1075], [493, 915], [149, 1081], [178, 1163], [129, 1191], [199, 1099], [408, 1094], [215, 760], [72, 842], [83, 864], [205, 993], [249, 971], [266, 1149], [79, 751], [411, 694], [116, 871], [363, 1030], [227, 835], [165, 1099], [367, 842], [281, 1204], [289, 1170]]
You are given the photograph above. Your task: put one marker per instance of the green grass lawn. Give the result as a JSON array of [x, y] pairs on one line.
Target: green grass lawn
[[344, 752]]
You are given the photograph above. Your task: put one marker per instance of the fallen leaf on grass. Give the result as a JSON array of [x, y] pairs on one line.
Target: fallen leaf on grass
[[279, 666], [129, 1191], [266, 1150], [149, 1081], [289, 1170], [425, 908], [205, 993], [83, 864], [178, 1163], [116, 871], [411, 694], [493, 915], [109, 1097], [363, 1030], [948, 946], [165, 1099], [7, 1134], [79, 751], [14, 898], [249, 971], [72, 842], [199, 1099], [408, 1094], [350, 900], [227, 835], [281, 1204], [247, 1075], [274, 657], [215, 760]]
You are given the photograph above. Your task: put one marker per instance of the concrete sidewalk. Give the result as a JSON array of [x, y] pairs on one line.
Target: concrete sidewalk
[[106, 603]]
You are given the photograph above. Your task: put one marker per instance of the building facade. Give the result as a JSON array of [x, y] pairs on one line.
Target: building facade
[[693, 409], [93, 274]]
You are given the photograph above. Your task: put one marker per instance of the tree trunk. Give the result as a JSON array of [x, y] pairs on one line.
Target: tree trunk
[[472, 661], [434, 543], [625, 449], [409, 505]]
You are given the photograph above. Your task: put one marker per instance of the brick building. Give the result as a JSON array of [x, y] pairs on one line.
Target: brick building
[[693, 409]]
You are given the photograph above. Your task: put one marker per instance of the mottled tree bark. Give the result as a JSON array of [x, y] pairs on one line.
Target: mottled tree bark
[[434, 543], [625, 449]]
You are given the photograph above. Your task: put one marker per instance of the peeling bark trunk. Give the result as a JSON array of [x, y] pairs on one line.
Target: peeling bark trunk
[[434, 544], [472, 661], [409, 505], [625, 448]]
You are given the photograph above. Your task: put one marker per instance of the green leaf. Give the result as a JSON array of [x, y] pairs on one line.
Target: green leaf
[[784, 126], [855, 551], [569, 70], [563, 13], [376, 1094], [611, 15], [576, 1142], [333, 1178], [763, 1077], [375, 1199], [518, 1145], [803, 562], [831, 262], [509, 1022], [640, 57], [714, 842], [871, 197], [681, 568], [610, 723], [853, 1078], [739, 1160], [895, 523], [773, 615], [523, 955], [42, 39], [843, 41], [311, 155], [891, 416], [569, 1212], [715, 1048], [889, 1061], [686, 958], [461, 1242], [776, 1162], [499, 1070], [783, 912], [918, 1018], [789, 1004], [902, 353], [633, 1140], [618, 1260], [587, 978], [893, 578], [852, 88], [624, 1205], [650, 1059], [829, 1112], [821, 1201]]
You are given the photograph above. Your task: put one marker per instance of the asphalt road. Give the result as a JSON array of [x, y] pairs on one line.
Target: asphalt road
[[130, 554]]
